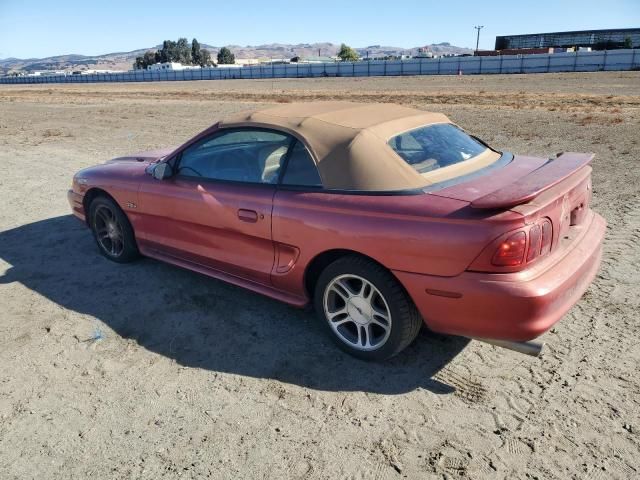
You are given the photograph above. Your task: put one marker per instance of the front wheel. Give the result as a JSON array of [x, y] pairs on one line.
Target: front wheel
[[112, 231], [365, 310]]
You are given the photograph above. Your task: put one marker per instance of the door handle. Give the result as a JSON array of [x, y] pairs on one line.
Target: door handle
[[250, 216]]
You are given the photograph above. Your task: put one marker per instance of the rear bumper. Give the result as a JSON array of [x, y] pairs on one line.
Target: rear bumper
[[510, 306], [77, 207]]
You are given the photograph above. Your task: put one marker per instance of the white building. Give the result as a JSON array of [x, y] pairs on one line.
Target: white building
[[91, 71], [171, 66], [46, 73], [424, 52]]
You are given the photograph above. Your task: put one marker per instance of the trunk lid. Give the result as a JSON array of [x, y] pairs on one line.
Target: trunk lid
[[532, 184], [558, 190]]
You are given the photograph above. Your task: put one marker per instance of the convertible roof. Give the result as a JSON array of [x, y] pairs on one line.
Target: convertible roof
[[349, 140]]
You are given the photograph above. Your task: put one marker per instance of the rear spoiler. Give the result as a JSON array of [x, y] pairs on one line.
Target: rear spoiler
[[536, 182]]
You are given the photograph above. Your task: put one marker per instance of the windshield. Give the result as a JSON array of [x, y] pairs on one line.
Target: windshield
[[436, 146]]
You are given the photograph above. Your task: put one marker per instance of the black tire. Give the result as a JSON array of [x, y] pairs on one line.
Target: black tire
[[405, 321], [127, 250]]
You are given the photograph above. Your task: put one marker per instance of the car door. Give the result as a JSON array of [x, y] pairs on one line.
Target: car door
[[216, 209]]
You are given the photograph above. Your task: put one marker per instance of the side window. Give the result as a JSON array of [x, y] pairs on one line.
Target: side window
[[301, 169], [247, 155]]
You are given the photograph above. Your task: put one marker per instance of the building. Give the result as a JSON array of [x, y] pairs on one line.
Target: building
[[171, 66], [595, 39], [424, 52], [92, 71], [520, 51], [247, 61], [46, 73]]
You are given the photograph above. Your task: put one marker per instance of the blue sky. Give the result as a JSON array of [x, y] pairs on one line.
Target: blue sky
[[37, 28]]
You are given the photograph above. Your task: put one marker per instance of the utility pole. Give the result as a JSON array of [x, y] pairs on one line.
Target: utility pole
[[478, 28]]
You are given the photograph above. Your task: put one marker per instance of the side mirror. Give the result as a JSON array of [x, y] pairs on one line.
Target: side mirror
[[161, 171]]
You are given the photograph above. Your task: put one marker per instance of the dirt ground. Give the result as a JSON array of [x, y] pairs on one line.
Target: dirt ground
[[149, 371]]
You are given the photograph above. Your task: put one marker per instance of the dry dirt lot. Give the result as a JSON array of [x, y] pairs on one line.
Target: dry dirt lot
[[149, 371]]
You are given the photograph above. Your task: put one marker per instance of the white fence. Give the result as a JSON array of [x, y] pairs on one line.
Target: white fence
[[627, 59]]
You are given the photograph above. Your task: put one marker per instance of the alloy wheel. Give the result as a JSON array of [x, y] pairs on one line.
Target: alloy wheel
[[109, 232], [357, 312]]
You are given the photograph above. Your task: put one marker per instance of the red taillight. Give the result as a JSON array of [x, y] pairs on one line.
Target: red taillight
[[535, 240], [547, 234], [510, 252]]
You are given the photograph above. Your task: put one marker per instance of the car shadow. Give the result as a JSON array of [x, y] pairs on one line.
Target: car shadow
[[205, 323]]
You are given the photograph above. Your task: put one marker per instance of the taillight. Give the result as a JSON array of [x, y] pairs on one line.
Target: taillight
[[517, 249], [510, 252], [535, 240], [547, 234]]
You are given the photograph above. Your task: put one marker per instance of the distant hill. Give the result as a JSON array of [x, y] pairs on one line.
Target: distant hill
[[124, 60]]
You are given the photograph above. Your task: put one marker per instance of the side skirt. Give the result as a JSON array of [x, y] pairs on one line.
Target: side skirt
[[292, 300]]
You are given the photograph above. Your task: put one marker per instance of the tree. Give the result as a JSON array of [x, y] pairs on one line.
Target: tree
[[628, 42], [199, 55], [225, 57], [347, 54], [196, 52], [143, 61], [183, 52], [168, 53], [205, 58]]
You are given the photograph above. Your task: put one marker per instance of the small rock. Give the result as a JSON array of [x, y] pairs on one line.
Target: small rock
[[628, 427]]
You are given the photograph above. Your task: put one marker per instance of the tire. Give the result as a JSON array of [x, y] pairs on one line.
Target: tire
[[354, 314], [112, 231]]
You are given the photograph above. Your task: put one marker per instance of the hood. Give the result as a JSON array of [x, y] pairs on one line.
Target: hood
[[147, 156], [126, 168]]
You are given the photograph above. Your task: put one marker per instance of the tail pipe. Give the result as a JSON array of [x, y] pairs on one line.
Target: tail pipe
[[528, 348]]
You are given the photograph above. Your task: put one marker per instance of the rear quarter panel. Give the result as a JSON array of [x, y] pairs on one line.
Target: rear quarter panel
[[413, 233]]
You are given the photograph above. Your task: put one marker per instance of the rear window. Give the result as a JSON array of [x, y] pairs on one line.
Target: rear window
[[436, 146]]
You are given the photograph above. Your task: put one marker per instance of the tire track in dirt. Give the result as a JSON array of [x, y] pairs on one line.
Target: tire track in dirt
[[466, 387]]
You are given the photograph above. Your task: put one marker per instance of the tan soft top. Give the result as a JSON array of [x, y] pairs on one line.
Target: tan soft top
[[349, 141]]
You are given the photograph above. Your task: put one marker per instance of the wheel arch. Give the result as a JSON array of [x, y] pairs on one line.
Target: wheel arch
[[322, 260], [93, 193]]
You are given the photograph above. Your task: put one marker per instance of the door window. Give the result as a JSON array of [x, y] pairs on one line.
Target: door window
[[246, 155]]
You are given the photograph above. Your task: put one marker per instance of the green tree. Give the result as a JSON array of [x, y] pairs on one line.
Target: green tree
[[183, 52], [205, 58], [225, 57], [199, 55], [168, 52], [628, 43], [196, 52], [143, 61], [347, 54]]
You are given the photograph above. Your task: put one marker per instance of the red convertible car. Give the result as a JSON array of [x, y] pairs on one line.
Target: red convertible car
[[382, 216]]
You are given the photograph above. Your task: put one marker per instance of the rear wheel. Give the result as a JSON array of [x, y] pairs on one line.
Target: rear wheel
[[112, 231], [365, 310]]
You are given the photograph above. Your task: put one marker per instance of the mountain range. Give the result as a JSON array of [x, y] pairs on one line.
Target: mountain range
[[124, 60]]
